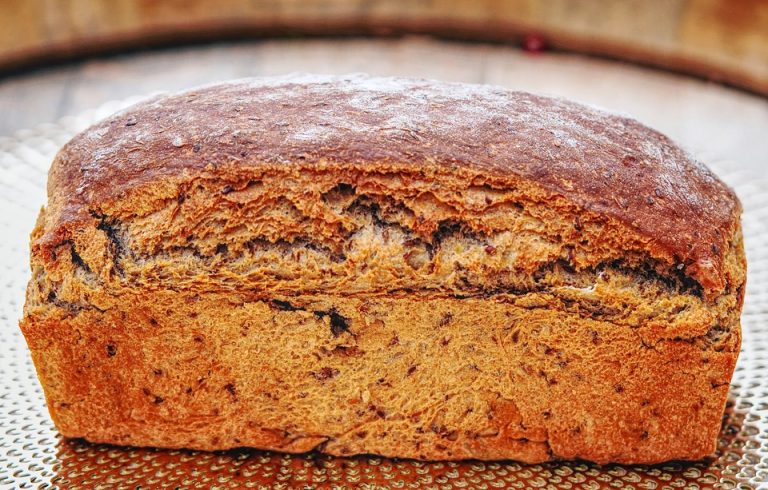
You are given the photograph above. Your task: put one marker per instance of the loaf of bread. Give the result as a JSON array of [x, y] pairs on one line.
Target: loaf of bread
[[399, 267]]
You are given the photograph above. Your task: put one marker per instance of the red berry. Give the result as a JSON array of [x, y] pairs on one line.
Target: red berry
[[534, 43]]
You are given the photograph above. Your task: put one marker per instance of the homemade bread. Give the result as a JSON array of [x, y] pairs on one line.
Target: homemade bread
[[392, 266]]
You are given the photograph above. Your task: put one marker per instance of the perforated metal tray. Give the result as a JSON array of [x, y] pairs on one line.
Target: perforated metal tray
[[32, 455]]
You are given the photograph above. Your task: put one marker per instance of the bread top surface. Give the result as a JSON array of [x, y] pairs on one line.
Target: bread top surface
[[602, 163]]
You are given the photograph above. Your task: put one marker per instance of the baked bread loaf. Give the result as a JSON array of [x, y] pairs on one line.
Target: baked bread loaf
[[391, 266]]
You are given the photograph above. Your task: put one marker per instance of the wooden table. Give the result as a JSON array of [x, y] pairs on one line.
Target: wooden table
[[720, 125]]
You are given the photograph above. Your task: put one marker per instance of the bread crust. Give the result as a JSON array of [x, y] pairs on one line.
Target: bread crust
[[414, 376], [391, 266], [605, 163]]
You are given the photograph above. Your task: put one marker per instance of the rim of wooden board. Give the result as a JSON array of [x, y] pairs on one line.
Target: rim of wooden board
[[722, 41]]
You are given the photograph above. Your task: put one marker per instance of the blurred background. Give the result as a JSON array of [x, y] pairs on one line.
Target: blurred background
[[696, 69]]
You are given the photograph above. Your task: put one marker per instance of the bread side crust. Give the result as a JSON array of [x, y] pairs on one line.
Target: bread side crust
[[557, 382], [409, 376]]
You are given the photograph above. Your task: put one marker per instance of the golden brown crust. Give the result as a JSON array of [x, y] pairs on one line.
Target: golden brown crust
[[606, 164], [411, 376], [385, 266]]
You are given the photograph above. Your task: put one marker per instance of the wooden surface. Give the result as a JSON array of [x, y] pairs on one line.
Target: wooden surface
[[720, 39], [722, 126]]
